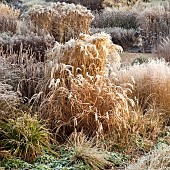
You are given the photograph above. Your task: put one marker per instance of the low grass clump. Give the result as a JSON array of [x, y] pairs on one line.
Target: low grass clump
[[85, 151], [158, 159], [24, 137]]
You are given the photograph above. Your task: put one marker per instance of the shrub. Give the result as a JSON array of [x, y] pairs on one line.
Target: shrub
[[24, 137], [115, 18], [90, 4], [7, 94], [19, 48], [119, 3]]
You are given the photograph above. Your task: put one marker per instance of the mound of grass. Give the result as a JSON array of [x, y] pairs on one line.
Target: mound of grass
[[151, 83], [84, 150], [24, 137], [64, 21]]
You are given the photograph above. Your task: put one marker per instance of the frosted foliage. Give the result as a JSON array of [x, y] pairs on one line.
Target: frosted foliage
[[64, 21], [7, 93], [159, 159], [8, 13], [97, 49], [157, 70]]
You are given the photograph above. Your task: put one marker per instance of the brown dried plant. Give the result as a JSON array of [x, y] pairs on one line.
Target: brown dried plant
[[9, 17], [81, 92], [88, 55], [64, 21], [82, 98], [158, 159], [151, 85], [97, 108], [84, 149], [101, 109]]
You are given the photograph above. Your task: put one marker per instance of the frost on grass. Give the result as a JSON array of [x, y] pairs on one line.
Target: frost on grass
[[151, 83], [7, 93], [158, 159], [120, 36], [8, 18], [64, 21], [88, 54]]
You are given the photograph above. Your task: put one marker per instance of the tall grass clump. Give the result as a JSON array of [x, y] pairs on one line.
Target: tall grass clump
[[82, 97], [26, 63], [63, 21], [9, 17], [24, 137], [151, 85], [81, 93], [164, 49]]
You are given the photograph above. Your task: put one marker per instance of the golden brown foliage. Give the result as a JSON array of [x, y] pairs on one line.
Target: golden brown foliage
[[64, 21], [84, 150], [8, 18], [88, 55]]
